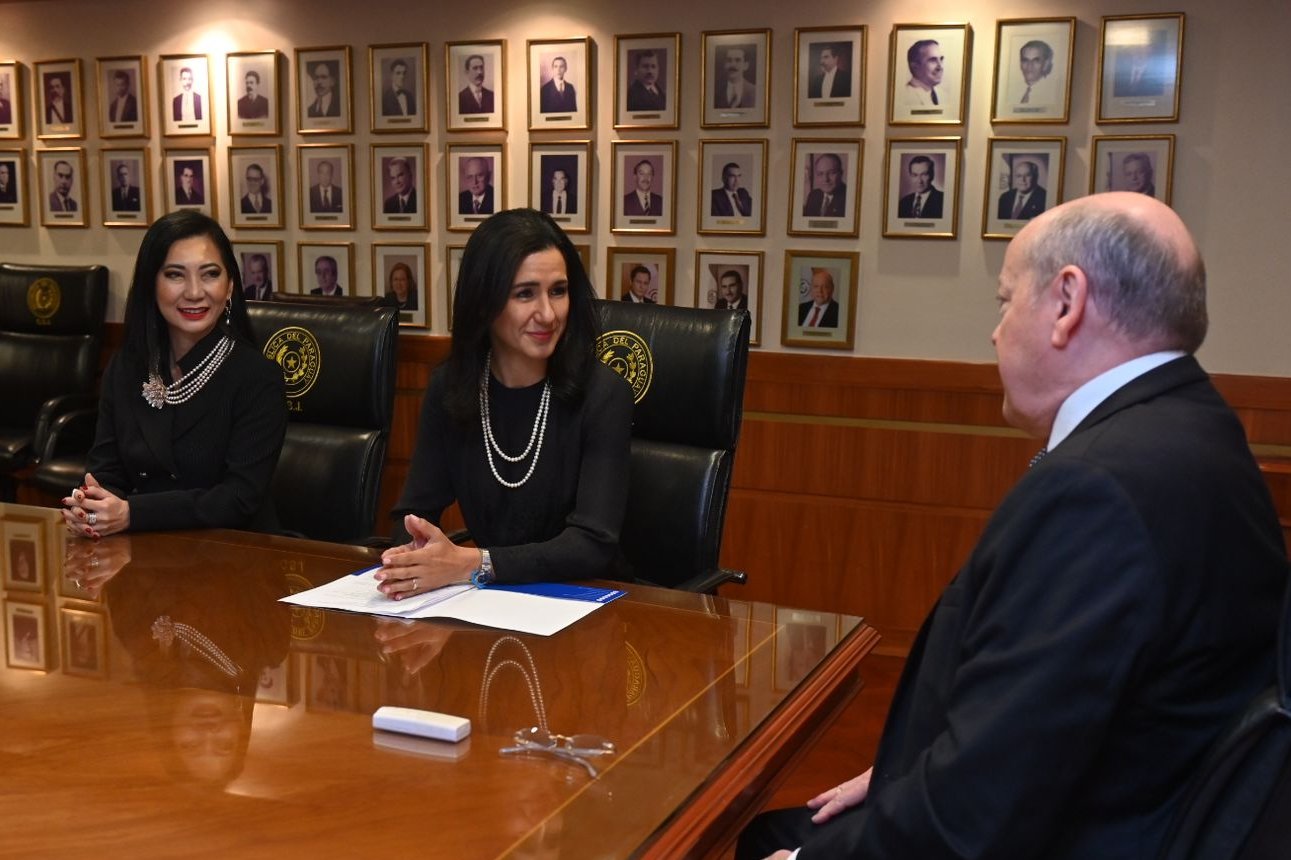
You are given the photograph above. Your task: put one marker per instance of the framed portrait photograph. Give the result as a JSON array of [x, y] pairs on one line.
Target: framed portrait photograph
[[399, 193], [402, 272], [928, 73], [261, 264], [452, 265], [829, 76], [1032, 80], [475, 85], [825, 187], [25, 564], [647, 80], [60, 107], [189, 178], [326, 182], [819, 299], [85, 642], [735, 79], [13, 102], [64, 192], [13, 188], [733, 187], [1140, 163], [332, 683], [254, 92], [643, 275], [399, 75], [476, 186], [803, 639], [1023, 179], [26, 643], [184, 87], [255, 187], [560, 182], [279, 685], [560, 83], [123, 96], [1140, 68], [731, 280], [126, 187], [921, 188], [324, 94], [327, 269], [644, 187]]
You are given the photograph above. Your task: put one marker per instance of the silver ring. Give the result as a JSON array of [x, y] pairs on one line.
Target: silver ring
[[414, 583], [94, 562], [92, 518]]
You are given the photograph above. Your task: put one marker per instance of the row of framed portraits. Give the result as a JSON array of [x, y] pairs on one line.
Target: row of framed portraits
[[1024, 177], [1139, 73]]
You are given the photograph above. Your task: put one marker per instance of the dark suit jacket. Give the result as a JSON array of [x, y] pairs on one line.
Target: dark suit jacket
[[1033, 207], [932, 207], [548, 204], [641, 99], [829, 319], [550, 101], [177, 107], [126, 200], [466, 207], [723, 305], [390, 104], [253, 108], [837, 203], [391, 204], [318, 291], [194, 199], [721, 202], [632, 205], [10, 193], [1117, 612], [129, 112], [316, 200], [56, 204], [627, 297], [6, 112], [466, 102], [263, 294], [67, 109], [842, 86], [266, 204], [333, 109]]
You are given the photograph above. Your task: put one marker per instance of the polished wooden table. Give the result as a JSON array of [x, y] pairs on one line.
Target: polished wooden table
[[158, 701]]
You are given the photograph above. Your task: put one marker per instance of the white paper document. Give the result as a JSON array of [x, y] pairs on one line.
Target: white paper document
[[507, 610]]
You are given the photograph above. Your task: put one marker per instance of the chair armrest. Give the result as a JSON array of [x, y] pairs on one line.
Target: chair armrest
[[54, 407], [707, 582], [70, 431]]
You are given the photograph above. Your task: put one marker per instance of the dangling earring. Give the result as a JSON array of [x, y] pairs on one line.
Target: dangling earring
[[228, 313]]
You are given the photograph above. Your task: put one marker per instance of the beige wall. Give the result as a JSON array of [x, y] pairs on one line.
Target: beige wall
[[923, 299]]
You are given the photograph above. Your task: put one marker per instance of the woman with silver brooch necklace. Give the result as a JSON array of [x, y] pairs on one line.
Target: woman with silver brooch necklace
[[191, 415], [523, 427]]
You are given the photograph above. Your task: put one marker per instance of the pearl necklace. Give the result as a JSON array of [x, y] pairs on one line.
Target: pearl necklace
[[535, 436], [165, 632], [157, 394], [530, 675]]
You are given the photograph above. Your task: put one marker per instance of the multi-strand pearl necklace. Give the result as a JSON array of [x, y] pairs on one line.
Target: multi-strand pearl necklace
[[157, 394], [165, 632], [530, 675], [535, 437]]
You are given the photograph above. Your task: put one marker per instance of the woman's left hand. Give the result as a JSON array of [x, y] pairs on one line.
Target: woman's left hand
[[92, 511], [430, 561]]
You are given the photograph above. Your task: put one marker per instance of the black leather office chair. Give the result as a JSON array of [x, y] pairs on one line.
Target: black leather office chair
[[51, 327], [339, 363], [686, 367]]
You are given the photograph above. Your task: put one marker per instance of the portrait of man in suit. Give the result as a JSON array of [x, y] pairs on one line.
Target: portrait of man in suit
[[734, 88], [927, 68], [641, 288], [1026, 199], [187, 105], [60, 199], [325, 195], [476, 196], [252, 105], [475, 97], [189, 190], [732, 198], [403, 195], [8, 182], [257, 284], [559, 188], [730, 287], [125, 194], [1138, 175], [643, 200], [59, 109], [828, 195], [325, 271], [397, 97], [646, 92], [326, 101], [557, 95], [821, 310], [1036, 86], [833, 80], [123, 107], [1141, 68], [925, 200], [6, 102], [256, 200]]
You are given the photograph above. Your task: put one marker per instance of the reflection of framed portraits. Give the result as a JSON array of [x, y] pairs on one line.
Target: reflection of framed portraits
[[189, 179], [126, 187], [819, 299], [928, 73], [825, 187], [400, 100], [332, 683], [453, 265], [735, 84], [26, 645], [560, 83], [1140, 163], [255, 187], [1023, 179], [642, 275], [279, 685], [803, 638], [85, 642], [184, 87], [921, 188], [476, 186], [647, 80], [644, 187], [64, 197], [402, 272], [60, 108], [733, 187], [13, 187], [829, 76], [13, 100], [1032, 81], [326, 183], [254, 92], [123, 96], [261, 265], [731, 280], [475, 85], [324, 95], [560, 182], [327, 269], [24, 559], [399, 192], [1140, 67]]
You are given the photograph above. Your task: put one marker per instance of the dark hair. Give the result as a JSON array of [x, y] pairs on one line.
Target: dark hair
[[923, 159], [492, 257], [146, 340]]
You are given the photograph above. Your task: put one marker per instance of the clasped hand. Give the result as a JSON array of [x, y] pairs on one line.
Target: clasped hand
[[429, 561], [94, 512]]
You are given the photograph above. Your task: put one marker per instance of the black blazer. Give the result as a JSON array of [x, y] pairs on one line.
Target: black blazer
[[1033, 207], [551, 101], [932, 207], [829, 319], [641, 99]]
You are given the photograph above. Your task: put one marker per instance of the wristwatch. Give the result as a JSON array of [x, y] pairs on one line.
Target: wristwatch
[[484, 575]]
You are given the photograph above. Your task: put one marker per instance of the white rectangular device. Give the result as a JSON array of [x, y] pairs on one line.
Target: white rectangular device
[[426, 724]]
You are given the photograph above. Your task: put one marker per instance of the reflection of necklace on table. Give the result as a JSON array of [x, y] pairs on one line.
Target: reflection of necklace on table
[[529, 674], [535, 436], [157, 394], [165, 632]]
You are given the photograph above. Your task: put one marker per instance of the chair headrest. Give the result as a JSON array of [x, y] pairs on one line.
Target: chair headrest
[[53, 299], [338, 360], [686, 367]]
